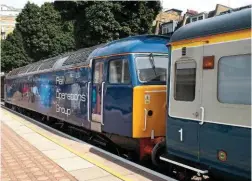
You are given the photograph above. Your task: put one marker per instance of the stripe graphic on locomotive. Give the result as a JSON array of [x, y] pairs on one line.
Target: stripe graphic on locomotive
[[117, 89], [209, 97]]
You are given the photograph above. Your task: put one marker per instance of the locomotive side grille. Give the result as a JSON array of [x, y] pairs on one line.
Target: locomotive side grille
[[24, 69], [80, 57], [48, 64]]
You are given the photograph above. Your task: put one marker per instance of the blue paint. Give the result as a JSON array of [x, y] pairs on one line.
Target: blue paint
[[134, 44], [201, 144], [118, 101]]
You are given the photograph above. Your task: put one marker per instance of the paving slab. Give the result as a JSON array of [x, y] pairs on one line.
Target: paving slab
[[89, 174], [58, 154], [20, 161], [73, 163]]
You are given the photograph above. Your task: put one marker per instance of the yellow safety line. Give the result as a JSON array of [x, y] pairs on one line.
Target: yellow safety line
[[73, 151]]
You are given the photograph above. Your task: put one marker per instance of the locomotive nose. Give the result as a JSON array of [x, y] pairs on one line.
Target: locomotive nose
[[149, 111]]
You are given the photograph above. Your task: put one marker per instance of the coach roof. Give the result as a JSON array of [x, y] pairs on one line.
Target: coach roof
[[134, 44], [220, 24]]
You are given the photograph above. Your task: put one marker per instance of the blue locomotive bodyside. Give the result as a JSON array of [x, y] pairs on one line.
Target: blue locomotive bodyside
[[93, 88], [61, 94]]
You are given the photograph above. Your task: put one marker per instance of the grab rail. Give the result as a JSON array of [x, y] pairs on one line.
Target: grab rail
[[102, 92], [202, 115], [145, 119], [88, 102]]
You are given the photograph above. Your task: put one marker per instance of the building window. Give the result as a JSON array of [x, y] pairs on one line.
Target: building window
[[185, 81], [194, 19], [200, 17], [234, 79], [119, 72], [3, 35], [164, 30]]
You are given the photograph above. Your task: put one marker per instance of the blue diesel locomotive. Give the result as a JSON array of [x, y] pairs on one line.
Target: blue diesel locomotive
[[115, 90], [209, 97]]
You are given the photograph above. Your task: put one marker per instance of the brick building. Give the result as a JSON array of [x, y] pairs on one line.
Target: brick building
[[166, 16], [7, 19]]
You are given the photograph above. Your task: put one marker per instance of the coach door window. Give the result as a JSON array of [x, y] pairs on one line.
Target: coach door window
[[234, 79], [119, 72], [185, 80]]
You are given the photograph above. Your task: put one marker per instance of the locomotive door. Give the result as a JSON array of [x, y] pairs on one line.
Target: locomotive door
[[184, 102], [96, 95]]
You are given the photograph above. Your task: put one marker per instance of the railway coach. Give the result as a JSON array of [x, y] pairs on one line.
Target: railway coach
[[114, 92], [208, 128]]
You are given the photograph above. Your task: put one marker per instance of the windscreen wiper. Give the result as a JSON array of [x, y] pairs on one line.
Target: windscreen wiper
[[151, 59]]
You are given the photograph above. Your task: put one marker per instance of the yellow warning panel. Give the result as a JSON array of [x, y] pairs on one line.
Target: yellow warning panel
[[149, 110]]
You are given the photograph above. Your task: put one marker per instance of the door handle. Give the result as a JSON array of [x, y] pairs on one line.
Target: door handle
[[145, 119], [88, 103], [202, 115], [102, 92]]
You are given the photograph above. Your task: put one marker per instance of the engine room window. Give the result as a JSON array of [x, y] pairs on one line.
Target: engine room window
[[234, 79], [119, 72], [185, 81], [151, 69]]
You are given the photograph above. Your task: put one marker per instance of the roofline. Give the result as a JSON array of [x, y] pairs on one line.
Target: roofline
[[215, 25], [174, 10], [222, 5]]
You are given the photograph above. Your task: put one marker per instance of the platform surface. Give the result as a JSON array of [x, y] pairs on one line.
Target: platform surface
[[30, 152]]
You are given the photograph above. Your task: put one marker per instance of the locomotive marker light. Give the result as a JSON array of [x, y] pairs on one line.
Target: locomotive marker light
[[208, 62]]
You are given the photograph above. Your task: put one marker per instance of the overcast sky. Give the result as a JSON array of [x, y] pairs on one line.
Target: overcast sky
[[197, 5]]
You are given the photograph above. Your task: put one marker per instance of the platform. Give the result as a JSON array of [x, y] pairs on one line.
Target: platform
[[32, 152]]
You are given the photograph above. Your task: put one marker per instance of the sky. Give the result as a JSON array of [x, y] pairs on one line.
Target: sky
[[197, 5]]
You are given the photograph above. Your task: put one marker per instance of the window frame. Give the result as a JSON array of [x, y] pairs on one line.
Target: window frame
[[175, 78], [145, 55], [122, 59], [217, 81], [94, 62]]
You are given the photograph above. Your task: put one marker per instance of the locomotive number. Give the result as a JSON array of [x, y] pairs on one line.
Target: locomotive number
[[181, 134]]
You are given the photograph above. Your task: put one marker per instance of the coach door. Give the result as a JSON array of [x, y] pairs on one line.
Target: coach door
[[96, 95], [184, 102]]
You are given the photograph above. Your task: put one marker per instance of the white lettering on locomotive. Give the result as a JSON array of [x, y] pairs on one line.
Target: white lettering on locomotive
[[60, 80], [68, 96]]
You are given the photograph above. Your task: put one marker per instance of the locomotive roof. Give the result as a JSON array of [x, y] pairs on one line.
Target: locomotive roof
[[234, 21], [141, 43], [134, 44]]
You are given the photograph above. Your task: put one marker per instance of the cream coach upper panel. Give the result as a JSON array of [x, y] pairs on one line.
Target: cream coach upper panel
[[215, 110]]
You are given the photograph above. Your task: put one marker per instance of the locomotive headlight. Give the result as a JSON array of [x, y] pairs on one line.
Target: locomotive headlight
[[222, 156]]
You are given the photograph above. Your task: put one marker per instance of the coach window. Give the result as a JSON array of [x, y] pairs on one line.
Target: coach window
[[234, 79], [119, 72], [185, 81]]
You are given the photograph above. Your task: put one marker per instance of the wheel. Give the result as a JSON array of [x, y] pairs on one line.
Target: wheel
[[157, 151]]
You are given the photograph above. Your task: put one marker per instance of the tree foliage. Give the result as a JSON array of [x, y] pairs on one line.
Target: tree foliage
[[13, 54], [54, 28], [44, 32]]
